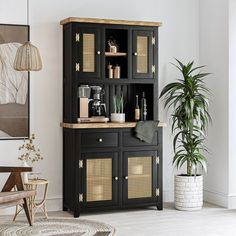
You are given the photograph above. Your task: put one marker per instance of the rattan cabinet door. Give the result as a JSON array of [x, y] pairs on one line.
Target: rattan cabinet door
[[100, 179], [140, 177], [143, 48], [88, 52]]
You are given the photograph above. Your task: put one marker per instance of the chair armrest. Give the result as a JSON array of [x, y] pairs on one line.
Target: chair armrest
[[7, 169]]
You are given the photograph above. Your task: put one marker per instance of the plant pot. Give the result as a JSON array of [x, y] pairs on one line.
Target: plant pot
[[188, 192], [118, 117]]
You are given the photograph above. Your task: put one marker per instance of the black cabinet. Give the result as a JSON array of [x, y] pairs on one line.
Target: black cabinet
[[98, 139], [87, 52], [113, 176], [143, 54], [86, 58], [100, 173], [109, 168], [140, 177]]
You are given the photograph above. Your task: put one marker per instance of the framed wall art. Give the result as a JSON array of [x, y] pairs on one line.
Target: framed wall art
[[14, 85]]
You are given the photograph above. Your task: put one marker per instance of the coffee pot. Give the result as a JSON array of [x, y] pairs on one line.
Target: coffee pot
[[84, 92], [96, 107]]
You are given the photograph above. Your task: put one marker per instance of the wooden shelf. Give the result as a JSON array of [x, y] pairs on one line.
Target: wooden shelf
[[109, 21], [103, 125], [118, 54], [116, 78], [92, 81]]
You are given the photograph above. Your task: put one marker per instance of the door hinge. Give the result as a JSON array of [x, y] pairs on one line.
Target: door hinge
[[153, 68], [81, 197], [77, 37], [157, 192], [153, 40], [157, 160], [77, 67], [81, 164]]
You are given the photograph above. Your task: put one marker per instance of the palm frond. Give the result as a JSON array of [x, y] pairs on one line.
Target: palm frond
[[188, 97]]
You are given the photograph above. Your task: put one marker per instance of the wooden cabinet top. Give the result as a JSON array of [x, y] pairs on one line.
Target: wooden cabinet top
[[103, 125], [109, 21]]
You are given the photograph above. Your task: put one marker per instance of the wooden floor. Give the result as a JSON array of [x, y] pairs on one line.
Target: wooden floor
[[210, 221]]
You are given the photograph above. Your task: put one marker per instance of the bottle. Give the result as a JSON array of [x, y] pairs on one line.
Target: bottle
[[143, 107], [137, 110]]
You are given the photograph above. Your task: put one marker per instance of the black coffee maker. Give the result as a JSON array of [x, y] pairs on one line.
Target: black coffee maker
[[96, 107]]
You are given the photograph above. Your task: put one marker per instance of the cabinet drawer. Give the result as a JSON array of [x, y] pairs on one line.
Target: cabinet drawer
[[99, 139], [129, 140]]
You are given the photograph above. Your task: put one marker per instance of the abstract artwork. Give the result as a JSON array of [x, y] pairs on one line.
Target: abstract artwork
[[14, 85]]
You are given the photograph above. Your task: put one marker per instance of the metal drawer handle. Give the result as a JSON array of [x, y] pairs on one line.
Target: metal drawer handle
[[116, 178], [100, 140], [126, 177]]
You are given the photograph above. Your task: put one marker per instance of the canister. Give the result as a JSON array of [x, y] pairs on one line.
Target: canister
[[110, 71], [117, 72]]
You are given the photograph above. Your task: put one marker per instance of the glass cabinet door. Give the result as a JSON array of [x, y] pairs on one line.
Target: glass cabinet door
[[140, 176], [88, 52], [100, 178], [143, 46]]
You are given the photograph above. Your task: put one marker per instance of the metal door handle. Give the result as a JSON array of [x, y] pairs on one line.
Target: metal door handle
[[126, 177], [100, 140], [135, 53], [98, 52], [116, 178]]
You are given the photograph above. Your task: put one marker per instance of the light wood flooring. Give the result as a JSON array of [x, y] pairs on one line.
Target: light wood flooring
[[210, 221]]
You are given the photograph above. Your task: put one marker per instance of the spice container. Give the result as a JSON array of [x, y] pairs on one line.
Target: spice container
[[110, 71], [117, 72]]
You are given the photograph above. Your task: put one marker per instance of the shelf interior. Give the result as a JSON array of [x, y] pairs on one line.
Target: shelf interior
[[129, 91], [120, 38]]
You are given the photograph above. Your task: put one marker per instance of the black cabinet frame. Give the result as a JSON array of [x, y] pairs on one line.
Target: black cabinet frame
[[155, 169], [74, 150], [79, 49], [150, 74], [115, 173], [74, 177]]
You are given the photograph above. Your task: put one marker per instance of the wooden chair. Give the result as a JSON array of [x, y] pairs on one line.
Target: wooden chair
[[13, 198]]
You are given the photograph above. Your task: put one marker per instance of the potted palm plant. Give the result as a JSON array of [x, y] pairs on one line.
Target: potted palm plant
[[188, 97]]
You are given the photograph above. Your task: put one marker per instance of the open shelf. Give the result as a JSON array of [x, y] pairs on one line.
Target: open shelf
[[120, 58]]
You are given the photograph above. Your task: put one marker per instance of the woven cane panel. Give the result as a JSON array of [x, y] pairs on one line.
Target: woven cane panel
[[99, 179], [142, 54], [139, 177], [88, 52]]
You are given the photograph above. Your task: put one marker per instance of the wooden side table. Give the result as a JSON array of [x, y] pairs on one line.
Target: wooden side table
[[34, 205]]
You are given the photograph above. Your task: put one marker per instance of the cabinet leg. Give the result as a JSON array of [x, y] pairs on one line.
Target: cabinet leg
[[160, 206], [76, 214]]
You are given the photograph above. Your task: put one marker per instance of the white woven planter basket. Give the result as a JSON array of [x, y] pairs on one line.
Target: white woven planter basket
[[188, 193]]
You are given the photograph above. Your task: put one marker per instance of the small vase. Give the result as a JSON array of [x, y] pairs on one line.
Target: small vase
[[25, 178], [118, 117]]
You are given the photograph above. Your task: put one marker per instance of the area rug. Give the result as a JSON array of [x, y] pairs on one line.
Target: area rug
[[57, 226]]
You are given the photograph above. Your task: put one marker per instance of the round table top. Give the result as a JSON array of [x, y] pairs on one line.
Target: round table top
[[36, 181]]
